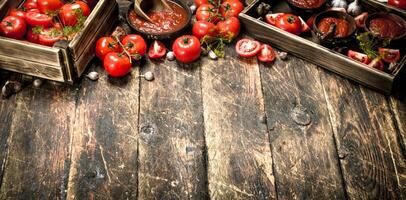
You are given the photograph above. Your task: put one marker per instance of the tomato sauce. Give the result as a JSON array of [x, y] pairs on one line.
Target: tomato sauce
[[307, 4], [385, 28], [164, 21], [342, 26]]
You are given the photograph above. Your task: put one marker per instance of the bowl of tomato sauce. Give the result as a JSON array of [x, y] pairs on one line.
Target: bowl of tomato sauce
[[167, 24], [386, 26], [307, 6]]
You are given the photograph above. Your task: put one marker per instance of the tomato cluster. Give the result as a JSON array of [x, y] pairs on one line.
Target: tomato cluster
[[38, 21]]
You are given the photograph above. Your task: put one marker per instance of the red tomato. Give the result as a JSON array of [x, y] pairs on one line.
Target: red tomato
[[117, 64], [305, 27], [38, 19], [135, 45], [230, 28], [363, 58], [202, 28], [16, 13], [156, 50], [207, 12], [49, 6], [377, 64], [50, 36], [360, 20], [266, 54], [106, 45], [32, 37], [186, 48], [231, 8], [247, 47], [198, 3], [310, 21], [30, 4], [397, 3], [13, 27], [389, 55], [290, 23], [70, 13], [271, 18]]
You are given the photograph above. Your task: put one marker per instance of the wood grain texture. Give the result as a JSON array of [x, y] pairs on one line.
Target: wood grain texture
[[304, 153], [38, 159], [171, 147], [239, 155], [365, 137], [104, 144]]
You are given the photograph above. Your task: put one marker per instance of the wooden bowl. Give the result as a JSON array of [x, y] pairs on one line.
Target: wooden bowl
[[318, 35], [166, 35], [401, 22]]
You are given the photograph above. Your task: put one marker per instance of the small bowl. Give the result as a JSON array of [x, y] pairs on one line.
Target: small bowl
[[302, 10], [389, 16], [165, 35], [318, 36]]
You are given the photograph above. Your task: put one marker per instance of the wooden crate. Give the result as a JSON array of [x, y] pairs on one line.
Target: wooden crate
[[66, 60], [320, 55]]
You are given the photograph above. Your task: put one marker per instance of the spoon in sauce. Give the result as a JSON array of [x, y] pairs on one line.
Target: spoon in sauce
[[154, 5]]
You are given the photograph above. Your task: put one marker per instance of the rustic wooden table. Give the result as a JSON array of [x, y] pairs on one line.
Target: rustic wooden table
[[227, 129]]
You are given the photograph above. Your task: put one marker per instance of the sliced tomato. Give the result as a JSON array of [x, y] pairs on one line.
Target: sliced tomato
[[305, 27], [50, 36], [247, 47], [310, 21], [360, 57], [377, 64], [266, 54], [271, 18], [38, 19], [32, 37], [360, 19], [157, 50], [389, 55]]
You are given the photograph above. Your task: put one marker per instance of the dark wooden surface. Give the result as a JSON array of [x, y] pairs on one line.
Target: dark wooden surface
[[227, 129]]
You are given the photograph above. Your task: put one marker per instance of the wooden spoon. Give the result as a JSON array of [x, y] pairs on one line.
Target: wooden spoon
[[154, 5]]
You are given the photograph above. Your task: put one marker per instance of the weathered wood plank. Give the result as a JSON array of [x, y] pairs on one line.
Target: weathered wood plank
[[365, 137], [38, 159], [304, 153], [239, 155], [171, 146], [104, 146]]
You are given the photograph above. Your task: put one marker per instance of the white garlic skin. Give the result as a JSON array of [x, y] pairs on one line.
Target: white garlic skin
[[170, 56], [212, 55], [93, 76], [149, 76], [354, 8], [339, 4]]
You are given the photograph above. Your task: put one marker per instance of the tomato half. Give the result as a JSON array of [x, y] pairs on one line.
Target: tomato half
[[290, 23], [266, 54], [38, 19], [247, 47], [106, 45], [202, 28], [389, 55], [207, 12], [13, 27], [231, 8], [156, 50], [117, 64], [50, 36], [49, 6], [360, 20], [271, 18], [363, 58], [70, 13], [32, 37], [186, 48], [397, 3], [135, 45], [229, 28], [377, 64]]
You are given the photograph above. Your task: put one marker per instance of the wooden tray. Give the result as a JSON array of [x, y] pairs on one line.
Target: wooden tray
[[65, 61], [319, 55]]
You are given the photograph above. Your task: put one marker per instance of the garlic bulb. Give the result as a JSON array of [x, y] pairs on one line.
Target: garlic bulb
[[339, 4], [354, 8]]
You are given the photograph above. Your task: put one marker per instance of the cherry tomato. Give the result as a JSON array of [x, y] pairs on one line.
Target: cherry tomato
[[231, 8], [202, 28], [198, 3], [266, 54], [49, 6], [398, 3], [13, 27], [230, 28], [389, 55], [117, 64], [377, 64], [32, 37], [135, 45], [207, 12], [363, 58], [290, 23], [70, 13], [247, 47], [38, 19], [106, 45], [156, 50], [30, 4], [186, 48], [50, 36], [16, 13], [360, 20]]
